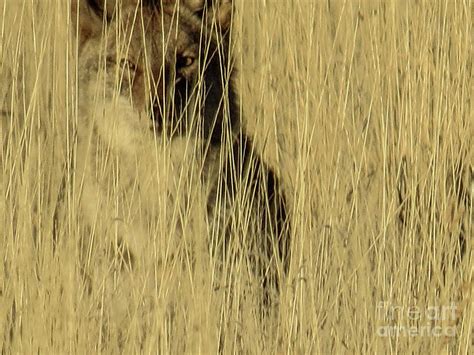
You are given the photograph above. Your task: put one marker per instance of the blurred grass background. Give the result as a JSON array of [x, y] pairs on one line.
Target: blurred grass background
[[363, 107]]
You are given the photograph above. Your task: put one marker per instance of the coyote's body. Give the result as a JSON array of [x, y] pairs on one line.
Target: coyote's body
[[159, 134]]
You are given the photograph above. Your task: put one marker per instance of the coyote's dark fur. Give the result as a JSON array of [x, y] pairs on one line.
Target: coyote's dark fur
[[160, 70]]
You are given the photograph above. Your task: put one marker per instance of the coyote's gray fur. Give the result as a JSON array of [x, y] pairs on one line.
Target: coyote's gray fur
[[157, 107]]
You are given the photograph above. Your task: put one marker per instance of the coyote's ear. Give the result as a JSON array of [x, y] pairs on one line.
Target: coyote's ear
[[86, 20]]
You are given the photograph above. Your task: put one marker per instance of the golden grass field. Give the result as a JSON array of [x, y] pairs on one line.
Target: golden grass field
[[364, 108]]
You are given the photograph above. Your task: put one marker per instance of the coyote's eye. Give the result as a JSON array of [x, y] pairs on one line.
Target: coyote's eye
[[128, 64], [184, 61]]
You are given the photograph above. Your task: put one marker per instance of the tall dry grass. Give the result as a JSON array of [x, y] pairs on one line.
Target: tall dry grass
[[363, 107]]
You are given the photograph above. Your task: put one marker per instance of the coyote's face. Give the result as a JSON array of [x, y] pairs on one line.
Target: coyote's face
[[152, 66]]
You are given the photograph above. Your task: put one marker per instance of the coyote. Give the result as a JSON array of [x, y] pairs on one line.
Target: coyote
[[156, 106]]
